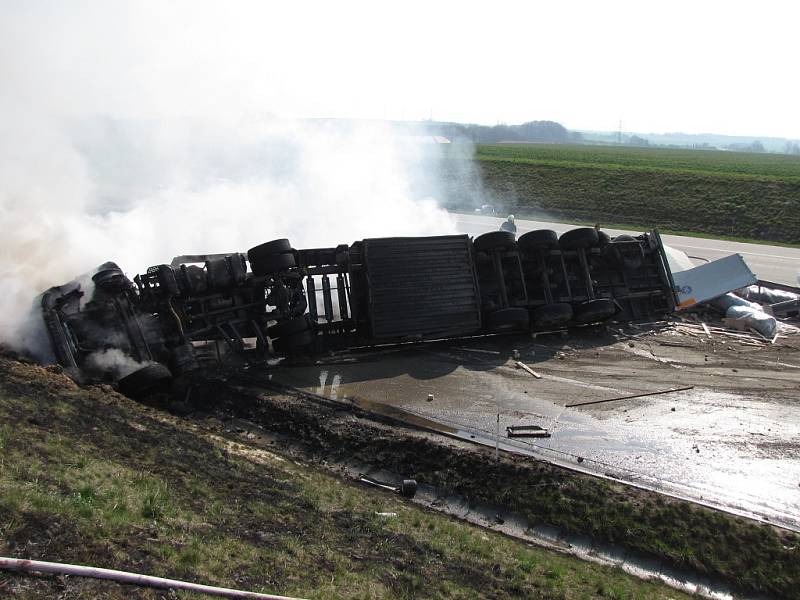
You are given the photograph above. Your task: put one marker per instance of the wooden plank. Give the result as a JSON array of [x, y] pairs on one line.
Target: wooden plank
[[521, 365]]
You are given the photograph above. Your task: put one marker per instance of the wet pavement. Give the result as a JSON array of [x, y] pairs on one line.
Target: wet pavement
[[732, 441]]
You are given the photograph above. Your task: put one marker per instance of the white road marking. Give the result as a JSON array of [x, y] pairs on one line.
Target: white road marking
[[712, 249]]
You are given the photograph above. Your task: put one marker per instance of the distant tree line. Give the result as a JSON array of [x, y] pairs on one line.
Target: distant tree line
[[533, 131], [550, 132], [754, 146], [792, 148]]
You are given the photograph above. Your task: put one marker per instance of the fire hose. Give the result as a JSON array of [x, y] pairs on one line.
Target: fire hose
[[37, 566]]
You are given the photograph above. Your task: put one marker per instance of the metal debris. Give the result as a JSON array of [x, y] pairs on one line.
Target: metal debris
[[527, 431], [681, 389], [407, 489], [479, 350]]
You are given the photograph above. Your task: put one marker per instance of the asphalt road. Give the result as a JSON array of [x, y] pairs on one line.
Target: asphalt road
[[770, 263], [731, 441]]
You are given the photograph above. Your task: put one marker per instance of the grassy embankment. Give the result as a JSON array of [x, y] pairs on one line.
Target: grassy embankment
[[90, 477], [737, 195], [750, 556]]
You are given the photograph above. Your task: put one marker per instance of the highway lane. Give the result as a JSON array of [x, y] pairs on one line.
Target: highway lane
[[771, 263]]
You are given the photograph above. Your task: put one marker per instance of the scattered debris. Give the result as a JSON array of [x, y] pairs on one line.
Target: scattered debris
[[536, 334], [479, 350], [751, 313], [711, 280], [527, 431], [430, 397], [126, 577], [675, 344], [694, 330], [631, 336], [778, 300], [407, 489], [521, 365]]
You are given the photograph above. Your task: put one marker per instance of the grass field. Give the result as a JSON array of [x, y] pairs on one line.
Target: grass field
[[752, 196], [90, 477], [770, 167]]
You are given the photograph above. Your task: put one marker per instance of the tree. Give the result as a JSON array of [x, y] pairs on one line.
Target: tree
[[635, 140], [544, 131], [791, 148]]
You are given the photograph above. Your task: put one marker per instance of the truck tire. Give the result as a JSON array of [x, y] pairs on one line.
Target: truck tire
[[582, 237], [539, 239], [146, 381], [218, 274], [273, 264], [110, 278], [551, 316], [494, 240], [623, 238], [594, 311], [507, 319], [193, 280], [280, 246], [167, 280]]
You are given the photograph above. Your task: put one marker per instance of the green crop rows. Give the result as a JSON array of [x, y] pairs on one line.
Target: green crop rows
[[753, 196]]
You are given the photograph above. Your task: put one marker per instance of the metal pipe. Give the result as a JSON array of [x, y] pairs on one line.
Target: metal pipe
[[682, 389], [28, 566]]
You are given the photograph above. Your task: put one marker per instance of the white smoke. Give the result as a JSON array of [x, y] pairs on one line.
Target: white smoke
[[115, 362], [85, 179]]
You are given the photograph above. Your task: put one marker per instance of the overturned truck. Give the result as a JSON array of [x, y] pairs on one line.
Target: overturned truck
[[278, 300]]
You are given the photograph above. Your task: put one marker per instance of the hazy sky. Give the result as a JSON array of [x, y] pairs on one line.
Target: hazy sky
[[702, 66]]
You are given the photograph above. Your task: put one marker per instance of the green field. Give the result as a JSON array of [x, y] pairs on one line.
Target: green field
[[741, 195]]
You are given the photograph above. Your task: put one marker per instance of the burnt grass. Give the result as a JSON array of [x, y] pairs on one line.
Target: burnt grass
[[751, 556]]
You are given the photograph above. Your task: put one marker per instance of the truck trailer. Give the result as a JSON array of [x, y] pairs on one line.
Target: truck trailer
[[276, 300]]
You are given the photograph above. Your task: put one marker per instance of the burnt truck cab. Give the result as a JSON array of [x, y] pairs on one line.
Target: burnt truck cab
[[278, 300]]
